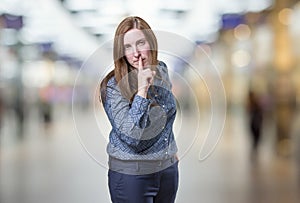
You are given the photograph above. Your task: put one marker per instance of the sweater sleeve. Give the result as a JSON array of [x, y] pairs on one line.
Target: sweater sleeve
[[129, 120]]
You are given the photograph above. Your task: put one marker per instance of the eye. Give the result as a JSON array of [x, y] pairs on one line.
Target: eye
[[127, 46], [141, 42]]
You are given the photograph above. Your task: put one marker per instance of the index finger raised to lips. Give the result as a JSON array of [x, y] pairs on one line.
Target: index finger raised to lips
[[140, 63]]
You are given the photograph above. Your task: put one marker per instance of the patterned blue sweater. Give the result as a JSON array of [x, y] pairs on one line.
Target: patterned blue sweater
[[141, 131]]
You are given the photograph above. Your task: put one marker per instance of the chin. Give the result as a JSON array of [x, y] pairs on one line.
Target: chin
[[146, 64], [135, 66]]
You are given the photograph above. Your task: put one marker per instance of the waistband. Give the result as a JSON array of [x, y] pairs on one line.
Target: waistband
[[140, 167]]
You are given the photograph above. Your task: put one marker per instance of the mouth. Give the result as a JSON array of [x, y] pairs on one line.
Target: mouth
[[137, 61]]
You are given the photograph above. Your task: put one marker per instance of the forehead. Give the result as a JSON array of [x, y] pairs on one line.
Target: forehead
[[133, 35]]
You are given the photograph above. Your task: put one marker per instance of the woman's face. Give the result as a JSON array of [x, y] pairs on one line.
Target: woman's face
[[135, 46]]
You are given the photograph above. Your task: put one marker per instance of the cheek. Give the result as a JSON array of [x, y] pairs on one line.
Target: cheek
[[145, 52], [129, 57]]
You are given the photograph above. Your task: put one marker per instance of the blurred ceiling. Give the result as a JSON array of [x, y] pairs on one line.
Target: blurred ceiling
[[77, 27]]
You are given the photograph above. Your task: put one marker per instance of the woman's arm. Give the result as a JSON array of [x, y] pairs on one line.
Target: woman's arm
[[129, 120]]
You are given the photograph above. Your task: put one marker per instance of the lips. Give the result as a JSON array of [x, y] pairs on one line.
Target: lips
[[136, 62]]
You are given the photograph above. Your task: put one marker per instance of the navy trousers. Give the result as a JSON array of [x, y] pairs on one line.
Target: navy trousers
[[158, 187]]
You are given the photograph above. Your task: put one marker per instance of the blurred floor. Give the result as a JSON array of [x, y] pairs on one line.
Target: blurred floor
[[51, 166]]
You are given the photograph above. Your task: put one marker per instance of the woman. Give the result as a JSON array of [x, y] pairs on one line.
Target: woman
[[141, 108]]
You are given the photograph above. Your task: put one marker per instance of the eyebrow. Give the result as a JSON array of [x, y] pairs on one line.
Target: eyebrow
[[141, 39]]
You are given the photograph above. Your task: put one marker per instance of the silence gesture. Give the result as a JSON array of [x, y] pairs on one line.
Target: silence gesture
[[145, 79]]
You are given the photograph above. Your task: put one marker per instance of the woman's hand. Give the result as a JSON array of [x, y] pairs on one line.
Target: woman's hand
[[145, 79]]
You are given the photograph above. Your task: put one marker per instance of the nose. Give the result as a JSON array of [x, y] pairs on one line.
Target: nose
[[136, 52]]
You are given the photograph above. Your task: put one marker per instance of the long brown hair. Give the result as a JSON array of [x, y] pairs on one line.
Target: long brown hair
[[128, 82]]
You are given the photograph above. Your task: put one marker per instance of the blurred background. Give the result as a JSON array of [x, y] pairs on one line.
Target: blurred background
[[254, 45]]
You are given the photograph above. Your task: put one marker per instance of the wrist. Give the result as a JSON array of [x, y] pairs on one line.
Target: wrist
[[142, 93]]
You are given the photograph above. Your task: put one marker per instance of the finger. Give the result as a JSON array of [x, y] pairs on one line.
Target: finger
[[153, 73], [152, 77], [151, 81], [140, 63]]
